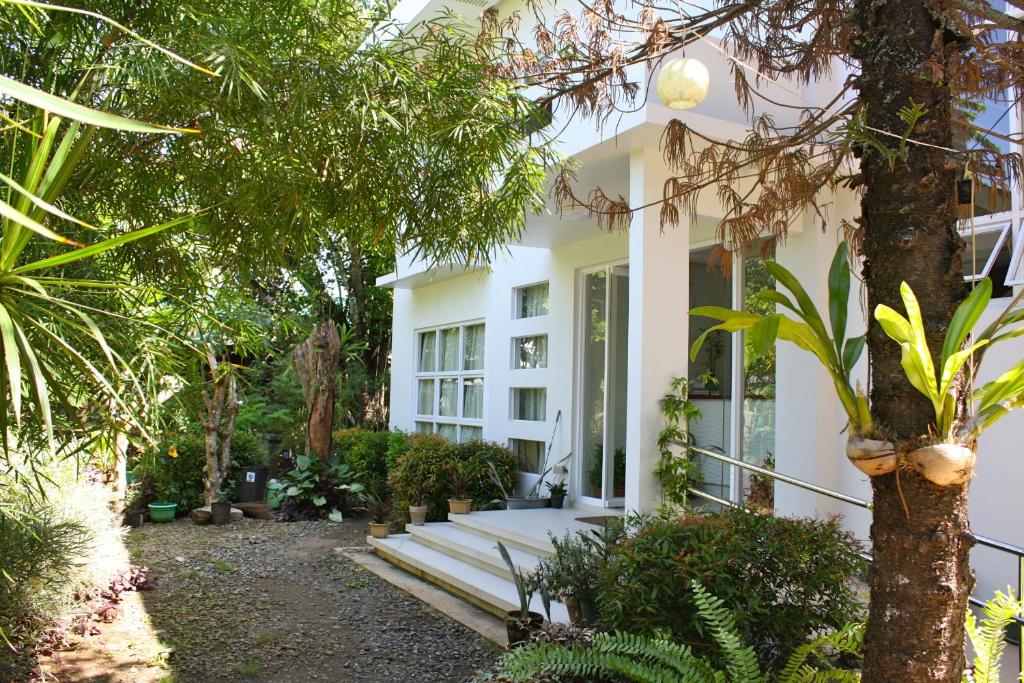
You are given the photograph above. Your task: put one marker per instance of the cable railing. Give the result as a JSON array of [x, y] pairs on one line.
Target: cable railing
[[1001, 546]]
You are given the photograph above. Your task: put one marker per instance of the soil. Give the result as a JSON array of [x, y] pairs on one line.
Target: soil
[[269, 601]]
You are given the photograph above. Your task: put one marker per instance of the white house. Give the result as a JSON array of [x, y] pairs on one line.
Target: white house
[[573, 335]]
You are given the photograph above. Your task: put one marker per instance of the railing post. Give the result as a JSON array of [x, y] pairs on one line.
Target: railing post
[[1020, 623]]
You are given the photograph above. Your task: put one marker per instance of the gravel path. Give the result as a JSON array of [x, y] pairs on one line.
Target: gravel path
[[273, 601]]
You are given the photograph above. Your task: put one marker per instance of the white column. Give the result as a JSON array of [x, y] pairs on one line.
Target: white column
[[658, 324]]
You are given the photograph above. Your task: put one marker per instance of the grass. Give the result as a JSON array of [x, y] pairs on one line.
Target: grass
[[358, 583], [264, 638], [250, 668], [223, 566]]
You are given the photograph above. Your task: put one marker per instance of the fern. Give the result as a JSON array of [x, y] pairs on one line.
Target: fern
[[741, 659], [802, 664], [988, 637]]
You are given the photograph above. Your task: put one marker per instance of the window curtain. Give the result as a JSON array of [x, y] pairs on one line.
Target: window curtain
[[530, 404], [473, 358], [472, 434], [427, 347], [449, 398], [533, 352], [449, 349], [473, 398], [425, 397], [449, 432], [533, 301]]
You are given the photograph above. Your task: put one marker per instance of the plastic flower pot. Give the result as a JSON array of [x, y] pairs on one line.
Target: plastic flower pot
[[518, 630], [557, 501], [460, 506], [526, 503], [162, 512], [220, 512]]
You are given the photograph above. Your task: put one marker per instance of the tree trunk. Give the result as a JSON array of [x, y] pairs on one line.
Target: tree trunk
[[221, 414], [920, 579], [316, 362]]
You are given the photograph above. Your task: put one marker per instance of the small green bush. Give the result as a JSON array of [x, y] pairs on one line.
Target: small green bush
[[366, 452], [179, 479], [783, 578], [421, 471], [316, 488]]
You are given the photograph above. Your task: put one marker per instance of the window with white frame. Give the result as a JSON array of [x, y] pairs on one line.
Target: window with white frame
[[530, 352], [450, 381], [529, 403], [529, 454], [531, 301], [989, 253]]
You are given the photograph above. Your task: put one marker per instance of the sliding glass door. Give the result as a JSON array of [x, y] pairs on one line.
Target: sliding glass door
[[602, 355]]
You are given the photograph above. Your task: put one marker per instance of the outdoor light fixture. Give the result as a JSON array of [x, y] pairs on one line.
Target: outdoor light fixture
[[683, 83]]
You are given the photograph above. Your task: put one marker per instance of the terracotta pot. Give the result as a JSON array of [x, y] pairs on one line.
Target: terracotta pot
[[460, 506], [379, 529], [418, 514], [519, 631], [945, 464], [871, 456]]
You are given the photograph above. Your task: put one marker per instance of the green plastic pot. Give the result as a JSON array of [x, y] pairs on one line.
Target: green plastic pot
[[162, 512]]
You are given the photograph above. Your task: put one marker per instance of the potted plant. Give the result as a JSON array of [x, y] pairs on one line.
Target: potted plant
[[460, 480], [220, 512], [568, 576], [418, 511], [379, 508], [519, 623], [557, 493], [162, 511]]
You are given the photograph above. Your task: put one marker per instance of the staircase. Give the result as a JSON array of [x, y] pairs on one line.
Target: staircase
[[461, 555]]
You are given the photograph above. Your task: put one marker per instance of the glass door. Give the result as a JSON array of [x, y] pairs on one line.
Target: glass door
[[603, 380]]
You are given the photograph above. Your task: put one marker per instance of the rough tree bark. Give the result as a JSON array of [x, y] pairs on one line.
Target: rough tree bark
[[316, 362], [221, 414], [920, 580]]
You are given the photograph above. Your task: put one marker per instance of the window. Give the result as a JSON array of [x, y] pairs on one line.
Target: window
[[529, 454], [989, 253], [531, 301], [530, 352], [450, 382], [529, 404]]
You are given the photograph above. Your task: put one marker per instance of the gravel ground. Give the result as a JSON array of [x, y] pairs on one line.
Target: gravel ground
[[274, 601]]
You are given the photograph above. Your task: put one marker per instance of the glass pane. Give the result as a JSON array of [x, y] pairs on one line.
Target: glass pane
[[529, 455], [529, 404], [532, 301], [710, 374], [449, 404], [428, 346], [979, 261], [595, 287], [425, 427], [449, 349], [425, 397], [473, 347], [450, 432], [758, 393], [531, 352], [473, 398], [471, 433]]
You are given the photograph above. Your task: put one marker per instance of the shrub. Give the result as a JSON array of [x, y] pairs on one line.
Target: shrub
[[422, 466], [179, 479], [316, 488], [366, 453], [783, 578]]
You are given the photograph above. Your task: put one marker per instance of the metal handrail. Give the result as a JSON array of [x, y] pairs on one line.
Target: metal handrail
[[1002, 546]]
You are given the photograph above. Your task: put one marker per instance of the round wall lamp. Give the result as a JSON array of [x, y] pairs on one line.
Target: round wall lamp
[[683, 83]]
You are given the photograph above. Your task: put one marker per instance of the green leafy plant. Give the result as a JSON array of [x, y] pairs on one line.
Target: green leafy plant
[[526, 583], [937, 381], [623, 656], [569, 572], [988, 636], [460, 480], [422, 467], [677, 473], [756, 563], [318, 488], [366, 452], [837, 353], [556, 488], [379, 508]]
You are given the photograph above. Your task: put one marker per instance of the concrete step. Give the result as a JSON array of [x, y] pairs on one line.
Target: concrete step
[[484, 589], [475, 549], [485, 526]]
